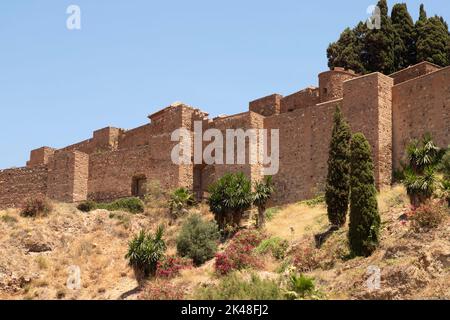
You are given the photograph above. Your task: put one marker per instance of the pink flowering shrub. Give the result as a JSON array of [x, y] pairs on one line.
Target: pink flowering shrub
[[170, 267], [240, 253]]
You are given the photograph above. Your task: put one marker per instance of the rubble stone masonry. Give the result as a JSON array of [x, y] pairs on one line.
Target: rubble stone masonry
[[389, 110]]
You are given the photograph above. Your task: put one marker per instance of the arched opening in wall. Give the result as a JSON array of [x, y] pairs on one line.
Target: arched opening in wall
[[138, 186]]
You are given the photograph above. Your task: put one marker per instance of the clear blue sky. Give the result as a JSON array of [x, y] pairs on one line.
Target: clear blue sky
[[133, 57]]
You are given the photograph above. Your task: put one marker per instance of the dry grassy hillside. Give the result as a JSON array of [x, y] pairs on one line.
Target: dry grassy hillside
[[38, 252]]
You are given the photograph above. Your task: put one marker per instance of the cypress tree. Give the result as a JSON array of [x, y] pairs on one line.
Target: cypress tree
[[379, 46], [346, 51], [364, 217], [338, 179], [432, 41], [405, 47]]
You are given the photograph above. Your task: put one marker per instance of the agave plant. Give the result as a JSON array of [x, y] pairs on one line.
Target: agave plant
[[144, 252], [180, 199]]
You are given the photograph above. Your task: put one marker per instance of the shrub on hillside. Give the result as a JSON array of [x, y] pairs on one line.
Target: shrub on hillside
[[87, 206], [36, 207], [240, 253], [132, 205], [229, 198], [236, 287], [302, 286], [198, 239], [263, 191], [144, 253], [276, 246], [444, 166], [446, 191], [364, 216], [180, 200], [428, 216], [306, 259], [170, 267]]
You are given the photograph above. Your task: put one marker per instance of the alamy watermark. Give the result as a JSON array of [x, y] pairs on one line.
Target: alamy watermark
[[373, 282], [374, 21], [73, 22], [234, 143]]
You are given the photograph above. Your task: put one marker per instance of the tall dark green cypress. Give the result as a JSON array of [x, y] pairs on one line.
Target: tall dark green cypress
[[364, 217], [338, 179], [379, 45], [432, 41], [346, 52], [406, 46]]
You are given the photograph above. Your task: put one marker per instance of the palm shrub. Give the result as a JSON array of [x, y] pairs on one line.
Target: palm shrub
[[338, 179], [230, 197], [198, 239], [364, 217], [420, 177], [444, 166], [179, 201], [144, 253], [262, 194]]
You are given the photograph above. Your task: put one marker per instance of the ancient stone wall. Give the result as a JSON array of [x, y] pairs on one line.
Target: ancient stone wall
[[331, 83], [267, 106], [421, 106], [302, 99], [17, 185], [413, 72]]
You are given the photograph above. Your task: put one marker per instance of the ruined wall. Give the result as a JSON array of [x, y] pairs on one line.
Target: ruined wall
[[302, 99], [421, 106], [17, 185], [415, 71]]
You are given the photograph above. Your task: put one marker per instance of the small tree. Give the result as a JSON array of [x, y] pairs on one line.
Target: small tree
[[364, 217], [262, 194], [338, 179], [144, 252], [229, 197], [198, 239]]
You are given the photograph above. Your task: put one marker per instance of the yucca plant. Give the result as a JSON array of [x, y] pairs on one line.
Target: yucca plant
[[180, 200], [420, 177], [144, 252], [420, 187], [262, 194]]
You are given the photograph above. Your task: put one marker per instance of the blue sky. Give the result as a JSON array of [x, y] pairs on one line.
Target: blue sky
[[134, 57]]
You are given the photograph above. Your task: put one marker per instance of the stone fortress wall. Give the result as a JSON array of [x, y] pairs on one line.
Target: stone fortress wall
[[116, 163]]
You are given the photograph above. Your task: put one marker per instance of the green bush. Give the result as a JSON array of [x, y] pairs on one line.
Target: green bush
[[132, 205], [87, 206], [338, 179], [144, 253], [428, 216], [276, 246], [198, 239], [302, 285], [179, 201], [236, 287], [444, 166], [229, 198], [364, 216], [36, 207], [446, 190]]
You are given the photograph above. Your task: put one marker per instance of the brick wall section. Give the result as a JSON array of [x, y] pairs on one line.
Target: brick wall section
[[40, 156], [266, 106], [16, 185], [67, 176], [302, 99], [368, 107], [420, 106], [413, 72]]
